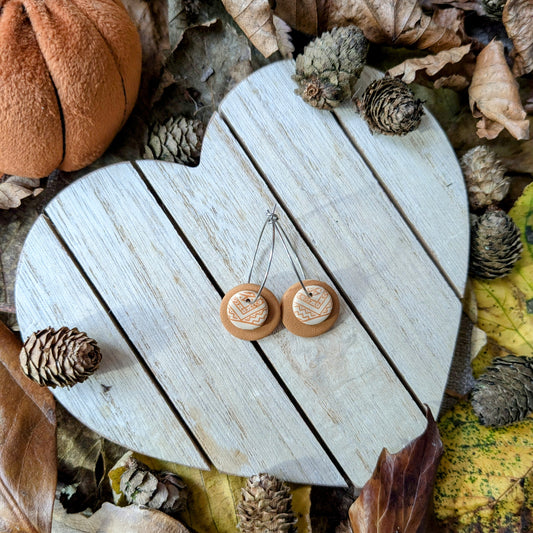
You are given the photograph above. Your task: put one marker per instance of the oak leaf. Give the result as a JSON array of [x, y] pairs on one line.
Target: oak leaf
[[13, 189], [494, 97], [397, 496], [432, 66], [485, 478], [517, 18], [28, 470]]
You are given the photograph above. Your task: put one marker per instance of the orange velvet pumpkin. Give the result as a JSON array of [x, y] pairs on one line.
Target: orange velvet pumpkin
[[69, 77]]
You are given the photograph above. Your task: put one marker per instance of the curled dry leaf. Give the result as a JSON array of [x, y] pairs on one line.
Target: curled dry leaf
[[517, 18], [433, 66], [283, 36], [14, 188], [494, 97], [28, 469], [397, 496], [255, 19]]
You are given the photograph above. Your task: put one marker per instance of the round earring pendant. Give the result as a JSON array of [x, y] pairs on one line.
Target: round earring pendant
[[309, 316], [247, 319]]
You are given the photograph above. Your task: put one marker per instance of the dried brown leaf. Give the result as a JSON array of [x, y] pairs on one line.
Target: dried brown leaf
[[431, 64], [397, 496], [28, 469], [113, 519], [13, 189], [494, 97], [283, 36], [397, 22], [255, 19], [518, 20]]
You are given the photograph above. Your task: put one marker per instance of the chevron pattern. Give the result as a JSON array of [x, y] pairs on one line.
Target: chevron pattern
[[312, 310], [245, 315]]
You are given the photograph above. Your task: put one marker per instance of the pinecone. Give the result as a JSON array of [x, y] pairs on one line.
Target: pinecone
[[178, 140], [59, 358], [504, 393], [329, 67], [390, 107], [493, 8], [164, 491], [484, 177], [495, 245], [266, 506]]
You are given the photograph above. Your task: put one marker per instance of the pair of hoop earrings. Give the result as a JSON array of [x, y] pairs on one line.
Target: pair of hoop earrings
[[308, 308]]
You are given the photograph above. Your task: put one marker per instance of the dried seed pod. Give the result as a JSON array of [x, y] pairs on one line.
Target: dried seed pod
[[59, 358], [504, 393], [390, 107], [493, 8], [485, 177], [495, 245], [266, 506], [329, 67], [178, 140], [159, 490]]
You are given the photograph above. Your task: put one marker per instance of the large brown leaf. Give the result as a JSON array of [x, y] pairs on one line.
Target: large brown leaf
[[517, 18], [28, 469], [398, 495], [494, 97]]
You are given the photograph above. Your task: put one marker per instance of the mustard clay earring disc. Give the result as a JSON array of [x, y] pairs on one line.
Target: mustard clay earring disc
[[295, 325], [230, 319]]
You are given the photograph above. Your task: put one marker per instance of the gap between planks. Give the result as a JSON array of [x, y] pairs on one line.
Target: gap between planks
[[126, 338], [322, 263]]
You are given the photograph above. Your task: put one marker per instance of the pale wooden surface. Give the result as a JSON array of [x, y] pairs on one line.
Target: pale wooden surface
[[348, 397]]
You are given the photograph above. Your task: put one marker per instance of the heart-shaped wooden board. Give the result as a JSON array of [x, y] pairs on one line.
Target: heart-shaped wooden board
[[139, 255]]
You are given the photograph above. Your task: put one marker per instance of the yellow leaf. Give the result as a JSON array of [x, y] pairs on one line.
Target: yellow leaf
[[505, 305], [213, 496], [484, 481]]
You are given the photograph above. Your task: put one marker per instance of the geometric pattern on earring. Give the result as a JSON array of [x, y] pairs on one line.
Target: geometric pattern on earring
[[309, 312], [249, 311]]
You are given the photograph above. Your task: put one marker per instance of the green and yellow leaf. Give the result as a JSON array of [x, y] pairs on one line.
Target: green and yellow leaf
[[505, 305], [484, 481]]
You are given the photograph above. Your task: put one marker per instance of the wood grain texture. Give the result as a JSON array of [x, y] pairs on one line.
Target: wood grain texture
[[170, 311], [421, 173], [368, 247], [120, 398], [340, 379]]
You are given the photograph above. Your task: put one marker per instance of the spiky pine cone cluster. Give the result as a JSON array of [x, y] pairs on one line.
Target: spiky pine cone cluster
[[266, 506], [59, 358], [164, 491], [504, 393], [178, 140], [388, 106], [329, 67], [493, 8], [495, 244], [485, 177]]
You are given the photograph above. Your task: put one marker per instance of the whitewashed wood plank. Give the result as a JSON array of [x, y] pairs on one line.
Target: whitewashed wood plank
[[119, 400], [422, 174], [160, 296], [357, 231], [340, 379]]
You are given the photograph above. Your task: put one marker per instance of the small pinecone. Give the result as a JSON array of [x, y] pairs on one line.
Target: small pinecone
[[390, 107], [329, 67], [164, 491], [495, 245], [484, 176], [266, 506], [493, 8], [504, 393], [178, 140], [59, 358]]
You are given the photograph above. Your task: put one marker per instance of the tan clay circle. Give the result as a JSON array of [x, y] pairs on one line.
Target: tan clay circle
[[243, 313], [314, 310], [270, 324], [299, 328]]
